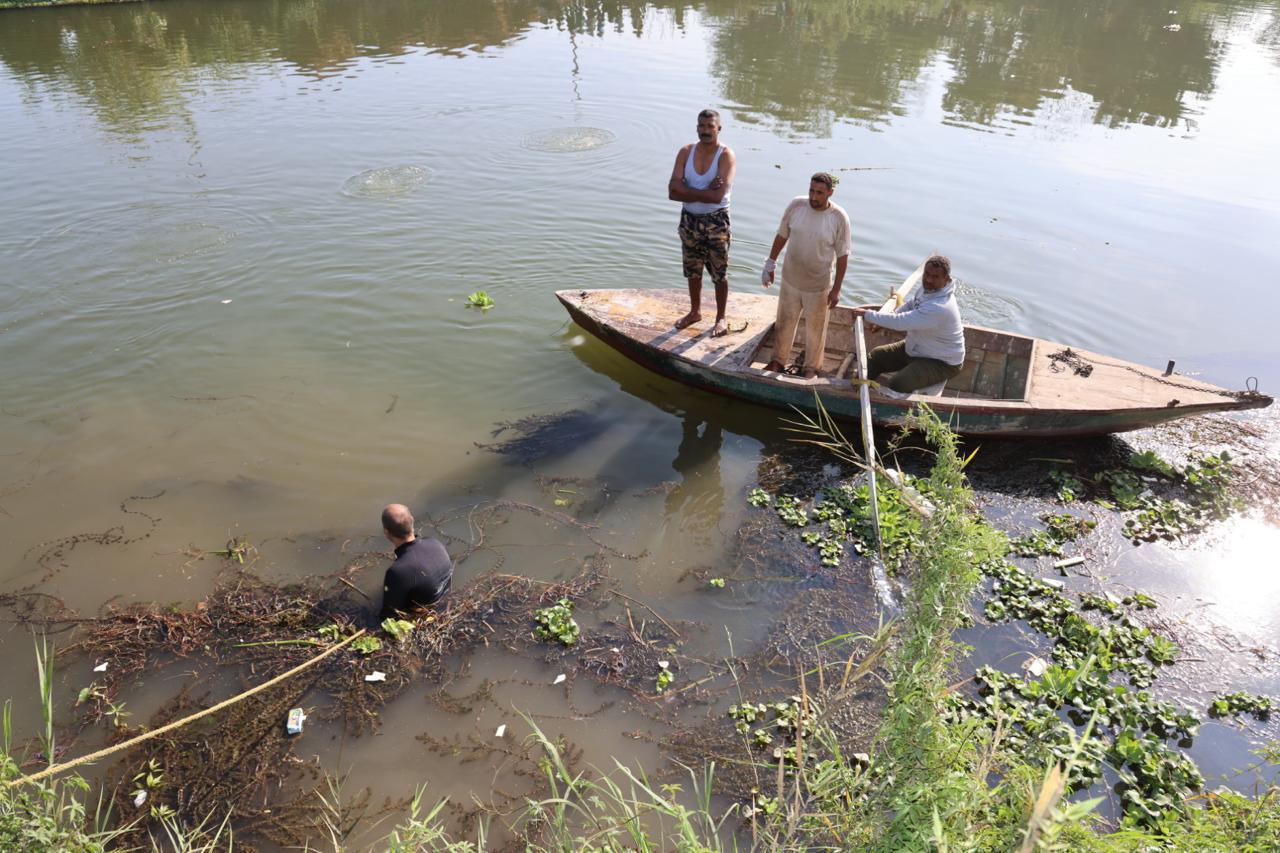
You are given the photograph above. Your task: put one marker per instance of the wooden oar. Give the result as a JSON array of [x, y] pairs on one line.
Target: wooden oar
[[907, 286], [868, 443]]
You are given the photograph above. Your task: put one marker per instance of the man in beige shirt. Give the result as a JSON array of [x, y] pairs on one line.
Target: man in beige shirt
[[817, 236]]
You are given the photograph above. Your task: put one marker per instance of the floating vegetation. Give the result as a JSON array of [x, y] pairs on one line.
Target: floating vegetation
[[665, 677], [557, 623], [567, 140], [387, 182], [236, 550], [480, 299], [1241, 703], [1130, 726], [791, 511], [844, 510], [1059, 529], [1206, 482], [1148, 460], [1161, 501], [400, 629], [1068, 485]]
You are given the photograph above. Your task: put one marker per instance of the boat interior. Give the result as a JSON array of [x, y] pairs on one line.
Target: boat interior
[[996, 365]]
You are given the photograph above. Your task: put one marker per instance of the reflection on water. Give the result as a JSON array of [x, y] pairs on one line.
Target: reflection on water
[[696, 502], [792, 63]]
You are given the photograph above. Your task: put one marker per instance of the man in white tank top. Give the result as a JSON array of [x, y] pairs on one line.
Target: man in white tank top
[[701, 180]]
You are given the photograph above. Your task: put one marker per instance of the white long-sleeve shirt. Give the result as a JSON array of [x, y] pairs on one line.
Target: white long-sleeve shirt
[[932, 323]]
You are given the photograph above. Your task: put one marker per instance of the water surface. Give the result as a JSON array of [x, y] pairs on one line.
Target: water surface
[[238, 238]]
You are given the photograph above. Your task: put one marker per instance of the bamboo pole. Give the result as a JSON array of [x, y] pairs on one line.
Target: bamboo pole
[[868, 442]]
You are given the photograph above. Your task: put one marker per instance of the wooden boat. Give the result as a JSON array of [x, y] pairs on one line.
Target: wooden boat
[[1011, 385]]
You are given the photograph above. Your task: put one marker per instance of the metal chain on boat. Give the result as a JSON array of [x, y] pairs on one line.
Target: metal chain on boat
[[1083, 367], [1067, 357]]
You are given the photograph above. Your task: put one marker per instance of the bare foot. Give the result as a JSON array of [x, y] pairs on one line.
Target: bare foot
[[809, 373], [775, 366], [721, 329], [688, 320]]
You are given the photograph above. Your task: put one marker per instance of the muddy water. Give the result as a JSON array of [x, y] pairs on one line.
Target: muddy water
[[238, 240]]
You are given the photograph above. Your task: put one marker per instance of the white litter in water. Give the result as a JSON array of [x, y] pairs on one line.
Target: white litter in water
[[226, 302], [376, 676], [560, 678], [102, 667], [1173, 28], [139, 798], [1036, 666], [502, 730]]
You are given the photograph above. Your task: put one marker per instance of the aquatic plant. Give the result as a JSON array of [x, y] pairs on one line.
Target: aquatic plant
[[1068, 486], [1149, 461], [1241, 703], [480, 299], [400, 629], [1059, 529], [791, 510], [665, 676], [557, 623]]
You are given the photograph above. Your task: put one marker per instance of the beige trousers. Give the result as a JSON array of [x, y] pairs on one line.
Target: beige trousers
[[792, 306]]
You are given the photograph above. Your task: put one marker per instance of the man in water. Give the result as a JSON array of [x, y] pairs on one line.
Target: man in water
[[422, 570], [701, 180], [820, 241], [933, 350]]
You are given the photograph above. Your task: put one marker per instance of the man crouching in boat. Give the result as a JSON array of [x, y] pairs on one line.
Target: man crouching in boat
[[820, 241], [933, 350]]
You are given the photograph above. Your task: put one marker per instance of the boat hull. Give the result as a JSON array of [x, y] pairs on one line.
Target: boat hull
[[965, 416]]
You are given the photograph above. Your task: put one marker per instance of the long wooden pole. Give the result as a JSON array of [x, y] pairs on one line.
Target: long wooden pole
[[868, 442], [907, 286]]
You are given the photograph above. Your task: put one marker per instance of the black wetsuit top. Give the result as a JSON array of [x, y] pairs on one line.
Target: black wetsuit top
[[420, 575]]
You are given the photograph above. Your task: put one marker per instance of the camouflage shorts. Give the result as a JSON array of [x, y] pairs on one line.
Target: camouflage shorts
[[704, 241]]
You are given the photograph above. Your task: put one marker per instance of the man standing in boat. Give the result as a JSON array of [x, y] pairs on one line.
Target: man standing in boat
[[422, 570], [701, 180], [817, 234], [933, 350]]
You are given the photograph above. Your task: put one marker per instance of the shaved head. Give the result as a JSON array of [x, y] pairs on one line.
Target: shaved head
[[397, 521]]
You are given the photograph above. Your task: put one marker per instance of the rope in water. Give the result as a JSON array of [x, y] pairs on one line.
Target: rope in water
[[177, 724]]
